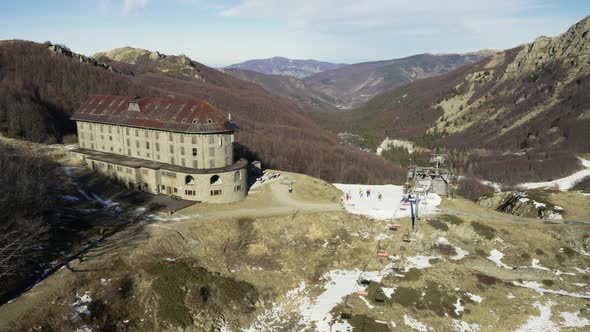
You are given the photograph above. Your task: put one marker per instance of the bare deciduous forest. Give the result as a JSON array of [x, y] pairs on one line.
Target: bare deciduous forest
[[40, 89]]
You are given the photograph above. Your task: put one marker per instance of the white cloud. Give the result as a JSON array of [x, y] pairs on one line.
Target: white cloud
[[122, 7], [132, 5], [337, 16]]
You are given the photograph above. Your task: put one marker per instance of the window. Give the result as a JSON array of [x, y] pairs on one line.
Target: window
[[109, 129], [129, 170], [237, 176], [182, 162], [194, 139], [171, 148], [211, 152], [91, 137], [138, 153], [181, 138], [212, 163], [182, 150], [189, 180], [157, 135], [136, 132], [195, 165], [158, 157], [101, 128], [172, 160], [147, 145], [102, 137], [127, 131], [92, 146], [111, 149], [238, 188], [215, 180], [128, 142], [110, 138], [147, 133], [190, 192], [216, 192], [170, 136], [137, 144], [168, 174], [211, 139], [194, 152], [175, 190], [220, 141], [129, 152], [158, 148]]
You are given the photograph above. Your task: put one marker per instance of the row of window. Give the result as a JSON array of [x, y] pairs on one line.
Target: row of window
[[220, 139]]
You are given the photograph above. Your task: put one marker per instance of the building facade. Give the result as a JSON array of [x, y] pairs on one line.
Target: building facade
[[175, 147]]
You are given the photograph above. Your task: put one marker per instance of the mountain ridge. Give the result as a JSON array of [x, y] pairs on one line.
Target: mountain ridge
[[277, 65]]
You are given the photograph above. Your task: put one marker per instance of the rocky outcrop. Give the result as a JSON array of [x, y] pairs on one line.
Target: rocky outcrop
[[175, 64], [520, 204], [59, 49], [570, 48]]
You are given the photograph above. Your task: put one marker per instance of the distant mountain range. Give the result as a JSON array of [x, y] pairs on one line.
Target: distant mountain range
[[284, 66], [353, 85], [532, 100]]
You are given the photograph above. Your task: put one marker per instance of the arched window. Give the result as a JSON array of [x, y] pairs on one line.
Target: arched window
[[189, 180], [215, 179], [237, 176]]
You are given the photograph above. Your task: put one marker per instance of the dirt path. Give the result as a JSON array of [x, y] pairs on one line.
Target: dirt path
[[282, 204]]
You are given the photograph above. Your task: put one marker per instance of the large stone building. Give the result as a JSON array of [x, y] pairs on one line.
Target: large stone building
[[165, 146]]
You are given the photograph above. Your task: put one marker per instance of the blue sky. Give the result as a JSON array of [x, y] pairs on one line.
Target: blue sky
[[223, 32]]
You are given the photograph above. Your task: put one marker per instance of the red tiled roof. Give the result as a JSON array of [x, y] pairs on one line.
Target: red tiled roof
[[182, 115]]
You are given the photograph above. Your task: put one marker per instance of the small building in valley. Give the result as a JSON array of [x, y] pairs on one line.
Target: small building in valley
[[176, 147]]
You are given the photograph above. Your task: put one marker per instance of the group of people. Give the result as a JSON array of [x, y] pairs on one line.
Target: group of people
[[268, 176], [348, 196]]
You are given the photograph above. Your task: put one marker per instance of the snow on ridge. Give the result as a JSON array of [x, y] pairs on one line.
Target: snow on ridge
[[565, 183], [389, 207]]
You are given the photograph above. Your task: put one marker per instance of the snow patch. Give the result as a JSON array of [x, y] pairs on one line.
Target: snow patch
[[474, 298], [572, 319], [458, 307], [463, 326], [496, 257], [390, 205], [418, 262], [564, 184], [70, 198], [415, 324], [542, 322], [460, 252], [539, 289]]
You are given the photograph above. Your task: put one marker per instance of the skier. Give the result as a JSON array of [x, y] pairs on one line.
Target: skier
[[380, 196], [368, 192]]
